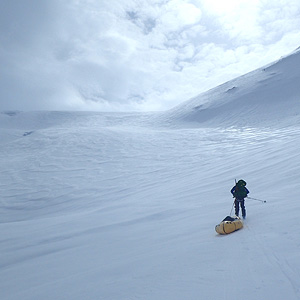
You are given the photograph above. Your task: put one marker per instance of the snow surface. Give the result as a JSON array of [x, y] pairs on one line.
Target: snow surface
[[123, 206]]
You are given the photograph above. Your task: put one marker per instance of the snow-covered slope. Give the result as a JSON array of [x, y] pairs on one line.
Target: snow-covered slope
[[121, 206], [264, 97]]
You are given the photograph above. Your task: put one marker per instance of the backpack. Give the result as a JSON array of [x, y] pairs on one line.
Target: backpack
[[240, 191]]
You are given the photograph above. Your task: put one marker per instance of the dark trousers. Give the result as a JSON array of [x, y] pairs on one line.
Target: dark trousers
[[237, 204]]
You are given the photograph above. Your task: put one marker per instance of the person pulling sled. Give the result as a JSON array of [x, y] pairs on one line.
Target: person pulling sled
[[240, 192]]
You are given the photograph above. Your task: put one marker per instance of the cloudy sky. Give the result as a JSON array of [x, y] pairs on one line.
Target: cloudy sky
[[143, 55]]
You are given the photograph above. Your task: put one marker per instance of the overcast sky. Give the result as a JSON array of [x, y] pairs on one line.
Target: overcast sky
[[145, 55]]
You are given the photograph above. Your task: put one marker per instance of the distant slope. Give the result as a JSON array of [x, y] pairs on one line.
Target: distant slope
[[268, 94]]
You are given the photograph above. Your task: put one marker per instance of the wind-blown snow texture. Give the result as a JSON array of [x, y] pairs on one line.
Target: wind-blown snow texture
[[123, 206]]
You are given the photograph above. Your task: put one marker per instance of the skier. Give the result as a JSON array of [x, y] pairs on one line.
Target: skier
[[240, 192]]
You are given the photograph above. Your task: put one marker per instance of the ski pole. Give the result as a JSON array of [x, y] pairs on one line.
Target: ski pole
[[263, 201], [232, 207], [233, 200]]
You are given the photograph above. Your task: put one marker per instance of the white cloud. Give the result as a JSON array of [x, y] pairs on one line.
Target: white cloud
[[220, 7], [177, 14], [138, 54]]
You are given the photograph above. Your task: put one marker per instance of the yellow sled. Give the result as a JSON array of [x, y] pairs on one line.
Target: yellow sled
[[229, 224]]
